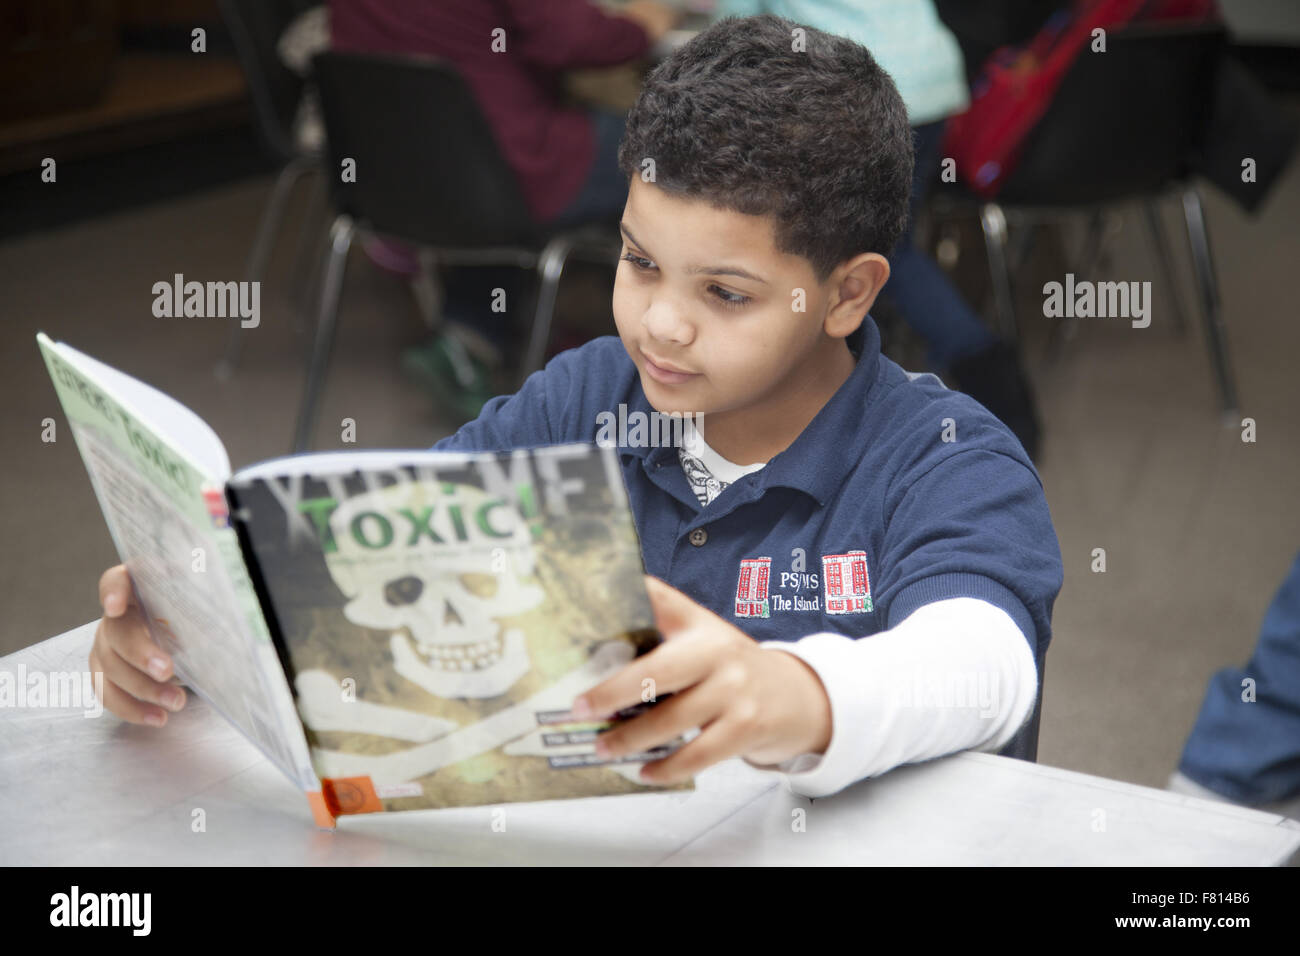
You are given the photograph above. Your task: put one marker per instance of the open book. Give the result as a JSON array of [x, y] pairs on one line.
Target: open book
[[395, 630]]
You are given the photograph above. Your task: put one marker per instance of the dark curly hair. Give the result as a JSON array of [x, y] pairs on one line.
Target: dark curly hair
[[818, 139]]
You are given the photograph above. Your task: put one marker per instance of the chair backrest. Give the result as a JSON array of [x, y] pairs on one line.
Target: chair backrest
[[255, 28], [428, 168], [1124, 122]]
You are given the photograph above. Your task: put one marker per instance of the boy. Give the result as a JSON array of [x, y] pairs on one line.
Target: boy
[[828, 495]]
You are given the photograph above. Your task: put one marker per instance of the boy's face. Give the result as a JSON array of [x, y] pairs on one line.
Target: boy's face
[[706, 306]]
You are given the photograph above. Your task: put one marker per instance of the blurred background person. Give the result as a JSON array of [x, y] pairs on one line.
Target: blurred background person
[[563, 155]]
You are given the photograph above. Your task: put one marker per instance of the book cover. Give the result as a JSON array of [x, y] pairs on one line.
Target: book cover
[[437, 620]]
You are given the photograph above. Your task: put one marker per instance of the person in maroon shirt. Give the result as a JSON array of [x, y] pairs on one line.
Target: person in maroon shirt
[[512, 55]]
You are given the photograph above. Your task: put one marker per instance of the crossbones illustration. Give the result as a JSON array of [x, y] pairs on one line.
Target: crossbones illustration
[[444, 603]]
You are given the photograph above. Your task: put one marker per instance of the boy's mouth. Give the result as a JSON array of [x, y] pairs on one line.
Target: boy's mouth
[[666, 374]]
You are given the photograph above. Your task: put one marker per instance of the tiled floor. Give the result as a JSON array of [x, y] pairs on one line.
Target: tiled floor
[[1198, 527]]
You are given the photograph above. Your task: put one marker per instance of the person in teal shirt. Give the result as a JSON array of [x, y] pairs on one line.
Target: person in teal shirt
[[906, 37]]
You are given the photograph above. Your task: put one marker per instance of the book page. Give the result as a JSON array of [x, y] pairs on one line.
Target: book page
[[166, 513], [189, 435]]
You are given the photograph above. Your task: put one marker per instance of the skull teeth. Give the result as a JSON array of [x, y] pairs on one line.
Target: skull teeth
[[465, 657]]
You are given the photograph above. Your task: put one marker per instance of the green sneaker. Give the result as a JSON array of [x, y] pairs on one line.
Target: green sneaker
[[457, 378]]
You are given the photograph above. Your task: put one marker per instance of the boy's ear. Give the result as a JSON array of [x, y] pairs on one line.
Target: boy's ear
[[855, 283]]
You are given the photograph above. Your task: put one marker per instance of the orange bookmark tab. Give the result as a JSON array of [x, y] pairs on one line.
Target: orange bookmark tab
[[351, 795]]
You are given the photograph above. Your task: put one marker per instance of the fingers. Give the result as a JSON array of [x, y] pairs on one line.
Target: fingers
[[719, 741], [119, 702], [136, 671], [115, 593], [139, 684], [129, 639], [696, 639], [733, 722], [670, 667], [662, 723]]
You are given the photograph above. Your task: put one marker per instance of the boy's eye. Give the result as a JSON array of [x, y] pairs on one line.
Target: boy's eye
[[732, 300]]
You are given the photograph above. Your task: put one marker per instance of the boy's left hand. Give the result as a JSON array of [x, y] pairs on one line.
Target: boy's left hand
[[749, 702]]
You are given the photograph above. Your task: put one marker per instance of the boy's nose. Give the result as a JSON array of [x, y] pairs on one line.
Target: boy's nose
[[664, 322]]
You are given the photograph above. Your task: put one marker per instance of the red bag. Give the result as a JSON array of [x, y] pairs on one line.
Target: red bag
[[1018, 84]]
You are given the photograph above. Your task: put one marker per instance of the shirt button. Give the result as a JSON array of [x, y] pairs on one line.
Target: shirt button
[[698, 537]]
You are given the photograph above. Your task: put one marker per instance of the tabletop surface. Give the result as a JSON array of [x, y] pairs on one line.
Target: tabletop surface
[[99, 791]]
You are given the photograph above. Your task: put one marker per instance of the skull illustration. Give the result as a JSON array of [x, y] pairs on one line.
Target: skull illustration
[[442, 563]]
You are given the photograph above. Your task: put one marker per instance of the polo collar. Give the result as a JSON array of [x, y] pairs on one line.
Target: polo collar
[[820, 458]]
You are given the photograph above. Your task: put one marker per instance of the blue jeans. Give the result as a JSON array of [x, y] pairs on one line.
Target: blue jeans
[[925, 298], [1249, 751]]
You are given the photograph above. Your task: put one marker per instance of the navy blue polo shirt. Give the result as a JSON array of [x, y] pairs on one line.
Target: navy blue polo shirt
[[899, 493]]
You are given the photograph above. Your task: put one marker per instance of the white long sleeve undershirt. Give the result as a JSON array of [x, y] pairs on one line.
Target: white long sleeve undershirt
[[955, 675]]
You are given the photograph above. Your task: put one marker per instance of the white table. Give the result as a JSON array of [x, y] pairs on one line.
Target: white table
[[83, 791]]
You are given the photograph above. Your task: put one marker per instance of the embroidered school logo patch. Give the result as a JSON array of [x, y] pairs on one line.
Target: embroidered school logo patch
[[848, 588], [751, 588]]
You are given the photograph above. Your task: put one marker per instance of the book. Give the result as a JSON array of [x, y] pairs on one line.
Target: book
[[395, 630]]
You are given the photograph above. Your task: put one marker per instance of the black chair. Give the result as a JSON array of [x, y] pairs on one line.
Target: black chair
[[1123, 126], [428, 172], [1024, 745], [255, 28]]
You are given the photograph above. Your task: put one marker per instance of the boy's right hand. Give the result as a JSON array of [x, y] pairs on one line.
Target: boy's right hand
[[136, 670], [653, 17]]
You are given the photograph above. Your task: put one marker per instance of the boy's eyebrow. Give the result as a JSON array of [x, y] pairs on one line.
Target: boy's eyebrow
[[701, 270]]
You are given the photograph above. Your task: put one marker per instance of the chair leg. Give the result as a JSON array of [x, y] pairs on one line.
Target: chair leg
[[1216, 335], [310, 298], [309, 238], [428, 289], [267, 228], [550, 266], [1093, 241], [341, 233], [1020, 242], [1161, 243], [994, 223], [1083, 267]]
